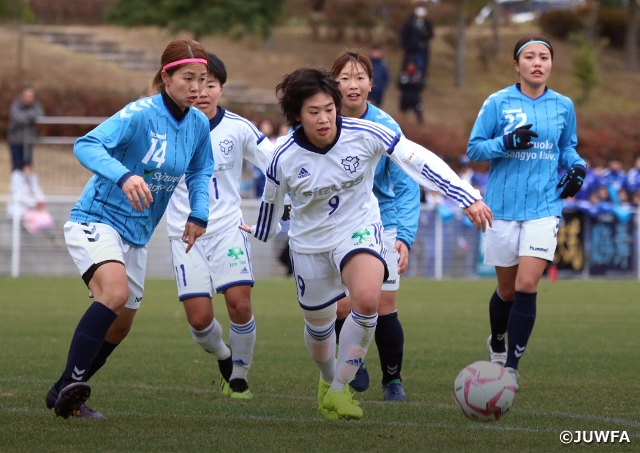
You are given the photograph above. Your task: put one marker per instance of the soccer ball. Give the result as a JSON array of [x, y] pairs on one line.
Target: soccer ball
[[484, 391]]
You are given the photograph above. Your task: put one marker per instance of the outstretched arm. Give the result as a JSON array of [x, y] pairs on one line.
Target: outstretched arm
[[433, 173], [271, 206]]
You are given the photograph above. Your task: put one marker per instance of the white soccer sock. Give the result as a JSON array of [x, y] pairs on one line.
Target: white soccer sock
[[355, 338], [321, 344], [210, 339], [242, 339]]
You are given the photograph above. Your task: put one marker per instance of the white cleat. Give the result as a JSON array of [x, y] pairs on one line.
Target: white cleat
[[496, 357]]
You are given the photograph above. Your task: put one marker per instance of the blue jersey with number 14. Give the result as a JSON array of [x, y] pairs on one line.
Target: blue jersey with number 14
[[522, 184], [144, 139]]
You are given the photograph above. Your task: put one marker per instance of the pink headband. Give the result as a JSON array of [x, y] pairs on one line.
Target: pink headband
[[184, 61]]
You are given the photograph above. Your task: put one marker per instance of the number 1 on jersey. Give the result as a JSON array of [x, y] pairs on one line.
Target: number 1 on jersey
[[215, 186]]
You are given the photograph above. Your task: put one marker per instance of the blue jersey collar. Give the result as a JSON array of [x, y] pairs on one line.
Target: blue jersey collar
[[546, 89]]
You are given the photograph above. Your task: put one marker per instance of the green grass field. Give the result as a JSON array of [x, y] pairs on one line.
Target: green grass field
[[580, 372]]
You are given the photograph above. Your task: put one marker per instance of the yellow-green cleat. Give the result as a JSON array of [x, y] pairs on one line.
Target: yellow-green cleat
[[224, 387], [239, 389], [323, 388], [343, 404]]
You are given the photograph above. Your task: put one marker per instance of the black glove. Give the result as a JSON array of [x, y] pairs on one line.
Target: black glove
[[572, 181], [286, 214], [520, 138]]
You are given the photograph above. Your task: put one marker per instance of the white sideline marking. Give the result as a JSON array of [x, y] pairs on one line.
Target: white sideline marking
[[586, 417]]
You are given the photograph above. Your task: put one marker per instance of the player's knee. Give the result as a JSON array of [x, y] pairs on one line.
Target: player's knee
[[115, 297], [200, 323], [366, 302], [240, 310]]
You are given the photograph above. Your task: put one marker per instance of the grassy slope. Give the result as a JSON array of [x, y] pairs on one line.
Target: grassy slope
[[579, 373], [248, 62]]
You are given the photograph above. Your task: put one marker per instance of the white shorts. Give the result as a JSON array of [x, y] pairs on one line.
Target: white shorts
[[317, 276], [392, 283], [95, 243], [508, 240], [214, 264]]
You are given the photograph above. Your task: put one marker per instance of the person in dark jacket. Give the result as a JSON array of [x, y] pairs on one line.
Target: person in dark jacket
[[411, 84], [22, 128], [380, 75], [415, 36]]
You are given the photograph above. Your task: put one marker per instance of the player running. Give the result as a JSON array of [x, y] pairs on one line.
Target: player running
[[137, 157], [399, 199], [220, 261], [526, 131], [327, 167]]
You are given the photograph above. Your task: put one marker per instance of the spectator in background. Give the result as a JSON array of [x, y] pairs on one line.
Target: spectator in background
[[591, 181], [380, 76], [466, 173], [614, 175], [415, 36], [411, 84], [22, 128], [283, 129], [268, 129]]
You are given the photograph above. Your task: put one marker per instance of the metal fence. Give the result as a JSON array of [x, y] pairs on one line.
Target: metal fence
[[446, 247], [591, 243]]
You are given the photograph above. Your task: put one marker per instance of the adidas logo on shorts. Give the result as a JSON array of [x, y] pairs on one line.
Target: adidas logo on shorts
[[303, 173], [244, 270]]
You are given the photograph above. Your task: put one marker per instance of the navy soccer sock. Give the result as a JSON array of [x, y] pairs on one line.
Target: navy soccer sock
[[521, 321], [104, 353], [499, 310], [339, 324], [390, 342], [86, 343]]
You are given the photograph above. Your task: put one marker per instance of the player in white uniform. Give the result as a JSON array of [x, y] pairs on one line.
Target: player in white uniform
[[327, 166], [220, 261]]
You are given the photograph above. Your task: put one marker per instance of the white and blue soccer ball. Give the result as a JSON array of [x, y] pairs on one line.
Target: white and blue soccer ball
[[484, 391]]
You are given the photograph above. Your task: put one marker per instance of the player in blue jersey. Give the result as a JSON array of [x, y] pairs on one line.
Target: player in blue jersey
[[327, 167], [220, 261], [399, 199], [526, 131], [138, 156]]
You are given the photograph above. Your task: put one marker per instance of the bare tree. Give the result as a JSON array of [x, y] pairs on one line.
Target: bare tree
[[631, 39]]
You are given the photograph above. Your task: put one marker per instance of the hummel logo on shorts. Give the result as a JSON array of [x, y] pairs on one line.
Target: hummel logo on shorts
[[303, 173]]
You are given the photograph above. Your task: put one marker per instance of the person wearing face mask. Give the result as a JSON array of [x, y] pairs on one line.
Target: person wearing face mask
[[415, 37]]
